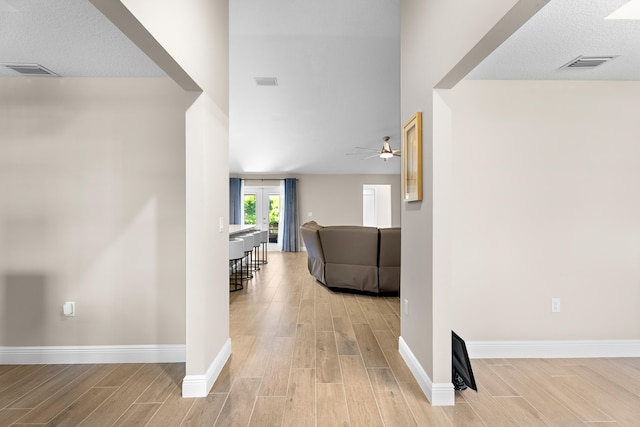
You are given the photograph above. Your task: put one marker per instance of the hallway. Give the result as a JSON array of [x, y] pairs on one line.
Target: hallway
[[306, 356]]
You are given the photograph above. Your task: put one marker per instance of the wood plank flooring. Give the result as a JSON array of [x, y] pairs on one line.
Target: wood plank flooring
[[305, 356]]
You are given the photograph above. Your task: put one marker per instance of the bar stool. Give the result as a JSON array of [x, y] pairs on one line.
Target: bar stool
[[264, 240], [248, 253], [256, 250], [236, 254]]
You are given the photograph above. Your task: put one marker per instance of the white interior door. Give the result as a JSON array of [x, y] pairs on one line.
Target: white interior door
[[376, 206], [369, 214]]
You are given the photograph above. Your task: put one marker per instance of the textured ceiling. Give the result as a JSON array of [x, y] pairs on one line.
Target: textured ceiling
[[69, 37], [337, 63], [560, 32]]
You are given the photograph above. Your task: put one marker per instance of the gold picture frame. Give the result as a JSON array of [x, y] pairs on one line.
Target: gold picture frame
[[412, 159]]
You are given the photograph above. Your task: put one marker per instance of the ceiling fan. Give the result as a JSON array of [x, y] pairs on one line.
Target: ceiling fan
[[385, 153]]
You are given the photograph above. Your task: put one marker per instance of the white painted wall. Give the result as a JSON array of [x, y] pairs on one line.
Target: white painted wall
[[91, 211], [546, 204], [192, 38], [196, 35], [441, 40], [337, 199]]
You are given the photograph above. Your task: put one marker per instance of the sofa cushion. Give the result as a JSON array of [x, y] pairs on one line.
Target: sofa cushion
[[351, 257], [346, 244]]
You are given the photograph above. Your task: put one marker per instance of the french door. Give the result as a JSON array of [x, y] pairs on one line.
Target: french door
[[261, 207]]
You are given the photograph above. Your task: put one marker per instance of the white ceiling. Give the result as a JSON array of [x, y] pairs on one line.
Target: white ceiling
[[560, 32], [337, 63], [70, 38], [338, 68]]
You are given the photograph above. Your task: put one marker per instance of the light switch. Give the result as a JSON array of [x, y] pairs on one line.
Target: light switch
[[69, 309]]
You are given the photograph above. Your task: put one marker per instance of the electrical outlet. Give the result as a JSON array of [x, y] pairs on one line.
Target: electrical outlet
[[555, 305], [69, 309], [406, 307]]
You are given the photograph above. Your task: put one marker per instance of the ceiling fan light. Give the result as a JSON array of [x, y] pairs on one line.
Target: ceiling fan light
[[386, 155]]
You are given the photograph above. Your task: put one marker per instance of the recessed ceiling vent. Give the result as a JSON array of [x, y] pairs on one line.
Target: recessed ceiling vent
[[32, 70], [266, 81], [588, 61]]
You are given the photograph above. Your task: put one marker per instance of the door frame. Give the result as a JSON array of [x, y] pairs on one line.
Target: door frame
[[262, 207]]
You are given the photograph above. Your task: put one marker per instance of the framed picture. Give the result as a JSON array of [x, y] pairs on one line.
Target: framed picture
[[412, 159]]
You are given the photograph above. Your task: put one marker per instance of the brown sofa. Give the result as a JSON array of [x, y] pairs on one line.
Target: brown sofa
[[353, 257]]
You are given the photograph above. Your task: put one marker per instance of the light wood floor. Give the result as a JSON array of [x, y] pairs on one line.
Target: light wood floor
[[304, 356]]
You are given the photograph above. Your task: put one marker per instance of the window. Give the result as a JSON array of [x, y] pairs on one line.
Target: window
[[249, 209]]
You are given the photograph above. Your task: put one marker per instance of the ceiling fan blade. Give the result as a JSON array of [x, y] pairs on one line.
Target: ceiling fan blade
[[385, 153]]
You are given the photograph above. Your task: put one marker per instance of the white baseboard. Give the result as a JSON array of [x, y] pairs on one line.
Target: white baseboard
[[442, 394], [199, 385], [439, 394], [93, 354], [552, 349]]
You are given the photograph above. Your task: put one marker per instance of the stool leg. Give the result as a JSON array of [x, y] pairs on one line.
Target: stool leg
[[248, 274], [235, 285], [263, 247], [266, 252], [255, 264]]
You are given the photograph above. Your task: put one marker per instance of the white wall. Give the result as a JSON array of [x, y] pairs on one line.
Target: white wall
[[190, 41], [91, 211], [337, 199], [441, 40], [546, 204]]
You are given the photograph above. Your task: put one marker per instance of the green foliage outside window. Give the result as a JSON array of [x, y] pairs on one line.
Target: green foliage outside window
[[274, 209], [250, 209]]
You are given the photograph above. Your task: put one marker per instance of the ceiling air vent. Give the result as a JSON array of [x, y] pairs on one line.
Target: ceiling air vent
[[30, 69], [588, 61], [266, 81]]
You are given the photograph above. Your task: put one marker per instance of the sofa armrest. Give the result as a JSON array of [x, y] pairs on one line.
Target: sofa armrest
[[389, 260], [389, 247], [315, 254], [311, 238]]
